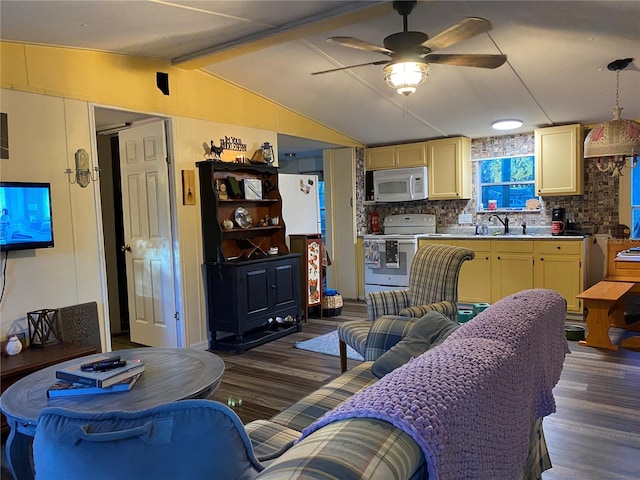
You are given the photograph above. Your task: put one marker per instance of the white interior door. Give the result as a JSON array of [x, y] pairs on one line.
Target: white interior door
[[147, 233]]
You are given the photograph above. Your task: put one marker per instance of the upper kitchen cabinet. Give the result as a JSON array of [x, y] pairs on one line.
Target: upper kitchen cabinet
[[449, 163], [396, 156], [559, 164]]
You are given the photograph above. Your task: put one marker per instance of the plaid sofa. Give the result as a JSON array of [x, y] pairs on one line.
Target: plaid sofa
[[358, 448]]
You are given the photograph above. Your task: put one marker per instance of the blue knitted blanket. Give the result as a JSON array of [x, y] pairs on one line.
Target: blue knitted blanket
[[470, 402]]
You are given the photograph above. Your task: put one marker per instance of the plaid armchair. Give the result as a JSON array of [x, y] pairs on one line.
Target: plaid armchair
[[433, 285]]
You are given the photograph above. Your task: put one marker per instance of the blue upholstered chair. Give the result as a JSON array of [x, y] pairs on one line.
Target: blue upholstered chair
[[194, 439], [433, 285]]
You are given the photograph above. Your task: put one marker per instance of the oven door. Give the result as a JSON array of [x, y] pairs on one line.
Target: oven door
[[388, 272]]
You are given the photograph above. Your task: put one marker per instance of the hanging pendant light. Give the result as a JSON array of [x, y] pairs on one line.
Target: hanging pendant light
[[613, 142]]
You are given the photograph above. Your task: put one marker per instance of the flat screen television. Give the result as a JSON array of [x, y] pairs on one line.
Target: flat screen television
[[25, 216]]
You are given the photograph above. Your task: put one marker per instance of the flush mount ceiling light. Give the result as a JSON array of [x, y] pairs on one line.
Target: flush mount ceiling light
[[508, 124], [614, 141], [405, 77]]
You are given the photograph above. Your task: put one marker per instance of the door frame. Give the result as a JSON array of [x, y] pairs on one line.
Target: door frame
[[172, 185]]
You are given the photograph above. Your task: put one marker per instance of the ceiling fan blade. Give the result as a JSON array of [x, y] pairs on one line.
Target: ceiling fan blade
[[379, 62], [467, 60], [467, 28], [359, 44]]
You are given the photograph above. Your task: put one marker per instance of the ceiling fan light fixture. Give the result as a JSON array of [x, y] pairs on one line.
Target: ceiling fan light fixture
[[507, 124], [405, 77], [616, 140]]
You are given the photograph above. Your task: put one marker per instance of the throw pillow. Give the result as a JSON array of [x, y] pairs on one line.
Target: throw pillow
[[427, 332]]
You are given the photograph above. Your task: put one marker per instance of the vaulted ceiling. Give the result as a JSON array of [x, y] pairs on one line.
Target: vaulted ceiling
[[556, 70]]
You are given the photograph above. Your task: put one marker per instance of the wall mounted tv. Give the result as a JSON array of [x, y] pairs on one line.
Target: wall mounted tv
[[25, 216]]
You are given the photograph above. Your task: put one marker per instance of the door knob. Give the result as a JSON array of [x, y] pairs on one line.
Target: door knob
[[126, 248]]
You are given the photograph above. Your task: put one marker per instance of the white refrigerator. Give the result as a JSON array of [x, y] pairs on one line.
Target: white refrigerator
[[300, 203]]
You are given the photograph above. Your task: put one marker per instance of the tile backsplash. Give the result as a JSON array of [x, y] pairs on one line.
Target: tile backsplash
[[596, 208]]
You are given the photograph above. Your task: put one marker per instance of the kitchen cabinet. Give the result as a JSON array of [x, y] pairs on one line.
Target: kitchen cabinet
[[559, 160], [474, 285], [396, 156], [449, 163], [511, 267], [380, 158], [249, 292], [558, 265], [514, 265], [309, 246]]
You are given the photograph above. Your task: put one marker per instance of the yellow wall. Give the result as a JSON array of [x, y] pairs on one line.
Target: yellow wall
[[48, 94], [130, 82]]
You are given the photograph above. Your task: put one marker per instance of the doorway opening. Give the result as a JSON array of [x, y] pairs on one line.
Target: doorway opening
[[109, 123]]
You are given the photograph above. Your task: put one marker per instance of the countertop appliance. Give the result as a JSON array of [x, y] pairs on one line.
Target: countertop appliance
[[388, 256], [400, 184], [558, 221]]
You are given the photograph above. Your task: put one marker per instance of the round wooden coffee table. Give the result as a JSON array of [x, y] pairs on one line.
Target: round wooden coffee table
[[170, 374]]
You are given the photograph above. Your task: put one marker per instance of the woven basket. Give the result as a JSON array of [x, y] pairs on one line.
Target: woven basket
[[332, 306]]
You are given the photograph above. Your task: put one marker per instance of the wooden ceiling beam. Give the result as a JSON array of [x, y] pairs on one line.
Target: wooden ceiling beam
[[286, 33]]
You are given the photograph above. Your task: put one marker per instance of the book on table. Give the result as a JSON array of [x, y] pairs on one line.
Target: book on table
[[104, 379], [70, 389]]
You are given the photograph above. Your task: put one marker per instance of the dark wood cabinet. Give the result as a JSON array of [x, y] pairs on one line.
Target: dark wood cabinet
[[253, 296], [309, 246]]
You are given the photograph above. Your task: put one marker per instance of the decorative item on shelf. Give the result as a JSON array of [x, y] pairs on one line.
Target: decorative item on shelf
[[227, 224], [257, 157], [242, 217], [267, 152], [252, 188], [617, 140], [13, 346], [43, 327], [83, 173], [241, 159], [234, 187], [213, 153], [221, 189]]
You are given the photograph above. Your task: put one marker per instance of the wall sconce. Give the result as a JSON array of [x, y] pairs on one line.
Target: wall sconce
[[83, 174]]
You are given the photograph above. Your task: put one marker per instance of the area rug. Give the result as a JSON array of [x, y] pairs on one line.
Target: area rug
[[327, 344]]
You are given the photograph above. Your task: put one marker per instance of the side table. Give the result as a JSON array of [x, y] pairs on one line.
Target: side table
[[13, 368]]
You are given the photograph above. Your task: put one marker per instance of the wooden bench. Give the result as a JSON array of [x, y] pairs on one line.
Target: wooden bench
[[605, 309]]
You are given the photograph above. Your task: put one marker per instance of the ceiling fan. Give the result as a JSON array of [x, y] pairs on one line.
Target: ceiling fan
[[411, 52]]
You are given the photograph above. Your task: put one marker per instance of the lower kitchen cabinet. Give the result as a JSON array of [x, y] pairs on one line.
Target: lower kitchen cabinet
[[502, 267], [511, 267], [559, 266], [249, 302]]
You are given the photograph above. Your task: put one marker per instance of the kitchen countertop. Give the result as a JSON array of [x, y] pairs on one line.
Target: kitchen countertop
[[496, 233]]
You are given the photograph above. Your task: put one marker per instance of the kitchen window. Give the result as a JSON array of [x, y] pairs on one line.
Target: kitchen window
[[506, 183]]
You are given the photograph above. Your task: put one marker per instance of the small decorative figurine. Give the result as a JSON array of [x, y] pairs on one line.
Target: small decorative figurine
[[14, 346]]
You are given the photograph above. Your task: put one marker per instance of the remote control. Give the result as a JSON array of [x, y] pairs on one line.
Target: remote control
[[103, 365]]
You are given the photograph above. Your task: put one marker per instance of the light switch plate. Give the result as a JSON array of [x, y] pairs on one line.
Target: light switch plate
[[464, 218]]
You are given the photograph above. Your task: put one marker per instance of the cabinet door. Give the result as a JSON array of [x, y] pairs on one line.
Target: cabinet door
[[558, 162], [510, 273], [449, 165], [562, 273], [410, 155], [379, 158], [284, 284], [474, 282]]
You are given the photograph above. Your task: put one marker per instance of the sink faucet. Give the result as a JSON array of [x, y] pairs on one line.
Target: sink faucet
[[504, 222]]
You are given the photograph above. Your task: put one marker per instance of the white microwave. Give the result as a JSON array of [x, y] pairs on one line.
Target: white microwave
[[400, 184]]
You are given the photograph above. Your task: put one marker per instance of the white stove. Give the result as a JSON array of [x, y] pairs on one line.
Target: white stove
[[388, 256]]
